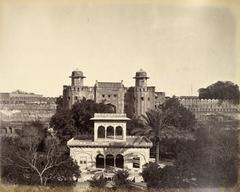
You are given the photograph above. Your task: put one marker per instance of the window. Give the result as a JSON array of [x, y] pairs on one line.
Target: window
[[109, 160], [119, 132], [100, 161], [10, 129], [119, 161], [101, 132], [148, 98], [115, 95], [103, 95], [136, 162], [109, 96], [142, 98], [110, 132]]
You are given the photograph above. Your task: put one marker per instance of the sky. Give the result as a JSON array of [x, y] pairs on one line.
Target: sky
[[182, 46]]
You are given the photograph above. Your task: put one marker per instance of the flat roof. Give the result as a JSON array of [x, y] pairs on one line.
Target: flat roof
[[110, 116], [131, 142]]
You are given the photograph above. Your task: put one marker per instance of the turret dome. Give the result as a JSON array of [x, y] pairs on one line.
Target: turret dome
[[77, 74], [141, 74]]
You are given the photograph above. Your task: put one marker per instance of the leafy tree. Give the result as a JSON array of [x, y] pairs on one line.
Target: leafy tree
[[152, 175], [223, 90], [25, 162], [63, 124], [121, 180], [216, 158], [83, 111], [97, 182], [178, 116], [59, 103], [68, 123], [168, 121]]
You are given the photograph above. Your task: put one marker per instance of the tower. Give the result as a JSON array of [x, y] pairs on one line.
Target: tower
[[77, 78], [141, 79], [72, 94], [143, 95]]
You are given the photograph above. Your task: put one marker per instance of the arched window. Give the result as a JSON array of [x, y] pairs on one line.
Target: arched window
[[110, 132], [109, 160], [10, 129], [136, 162], [119, 161], [101, 132], [119, 132], [100, 161]]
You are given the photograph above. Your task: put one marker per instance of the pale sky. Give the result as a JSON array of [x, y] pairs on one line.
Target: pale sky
[[180, 46]]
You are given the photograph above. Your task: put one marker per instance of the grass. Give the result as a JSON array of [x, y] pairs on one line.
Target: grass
[[14, 188]]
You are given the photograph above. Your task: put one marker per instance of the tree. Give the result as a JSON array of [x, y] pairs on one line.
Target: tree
[[171, 120], [223, 90], [69, 123], [152, 175], [178, 116], [121, 180], [98, 182], [25, 162], [216, 159]]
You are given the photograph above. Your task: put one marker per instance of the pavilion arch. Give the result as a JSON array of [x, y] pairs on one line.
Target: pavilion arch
[[100, 161], [101, 132], [110, 132], [119, 161], [109, 160], [119, 132]]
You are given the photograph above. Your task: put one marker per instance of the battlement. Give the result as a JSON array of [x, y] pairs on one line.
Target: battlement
[[209, 105]]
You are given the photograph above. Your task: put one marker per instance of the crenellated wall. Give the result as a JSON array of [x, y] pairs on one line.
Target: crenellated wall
[[205, 107]]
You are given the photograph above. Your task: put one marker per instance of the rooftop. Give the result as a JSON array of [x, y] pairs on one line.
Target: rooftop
[[109, 84], [131, 142], [110, 116]]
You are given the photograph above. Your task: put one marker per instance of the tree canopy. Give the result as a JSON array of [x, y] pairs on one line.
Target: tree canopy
[[35, 158], [171, 120], [76, 121], [224, 90]]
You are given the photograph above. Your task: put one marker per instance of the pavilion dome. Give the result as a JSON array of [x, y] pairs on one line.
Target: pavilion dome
[[77, 73], [141, 74]]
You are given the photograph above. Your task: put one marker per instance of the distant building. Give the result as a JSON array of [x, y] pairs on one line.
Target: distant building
[[133, 100], [19, 107], [110, 147], [205, 108]]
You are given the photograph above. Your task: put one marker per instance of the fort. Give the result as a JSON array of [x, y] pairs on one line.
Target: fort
[[136, 100], [18, 107]]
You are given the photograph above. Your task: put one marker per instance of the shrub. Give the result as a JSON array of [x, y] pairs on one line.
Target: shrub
[[152, 175], [121, 180], [97, 182]]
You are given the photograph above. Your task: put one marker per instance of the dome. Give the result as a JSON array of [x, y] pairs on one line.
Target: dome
[[141, 74], [76, 74]]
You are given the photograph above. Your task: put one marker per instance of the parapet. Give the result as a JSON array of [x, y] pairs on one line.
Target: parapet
[[110, 116]]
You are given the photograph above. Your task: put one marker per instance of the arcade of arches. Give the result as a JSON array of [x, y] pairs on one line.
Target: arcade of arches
[[109, 161], [110, 132]]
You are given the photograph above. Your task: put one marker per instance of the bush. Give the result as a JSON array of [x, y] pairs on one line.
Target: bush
[[152, 175], [120, 179], [97, 182]]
